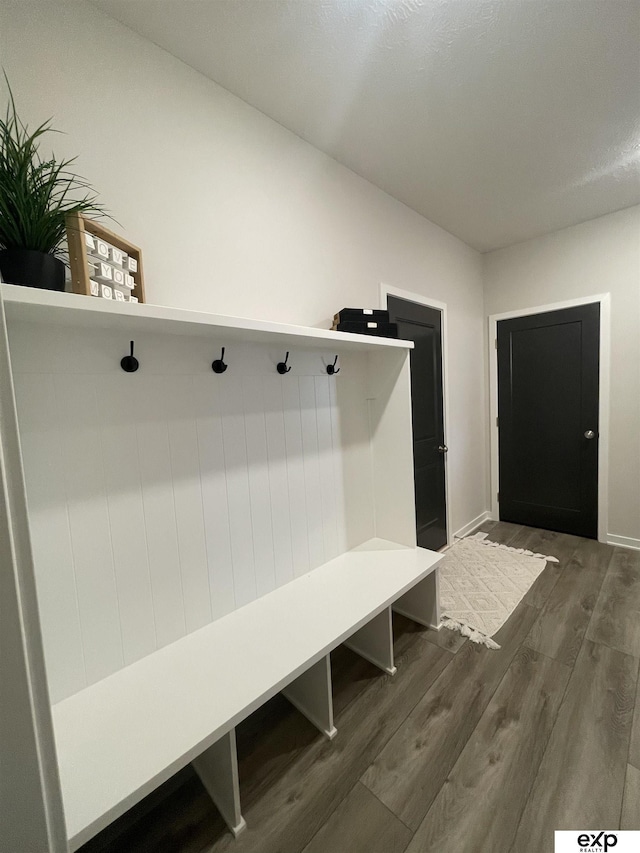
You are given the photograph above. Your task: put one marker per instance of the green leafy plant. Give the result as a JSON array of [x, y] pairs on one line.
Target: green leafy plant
[[36, 194]]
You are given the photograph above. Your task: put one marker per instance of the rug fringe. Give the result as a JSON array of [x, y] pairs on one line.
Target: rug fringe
[[480, 538], [467, 631]]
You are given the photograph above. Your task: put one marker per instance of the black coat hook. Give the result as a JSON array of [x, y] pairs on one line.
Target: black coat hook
[[282, 365], [218, 366], [331, 368], [130, 364]]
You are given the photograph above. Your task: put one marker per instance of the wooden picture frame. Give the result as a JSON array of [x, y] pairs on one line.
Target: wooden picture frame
[[77, 227]]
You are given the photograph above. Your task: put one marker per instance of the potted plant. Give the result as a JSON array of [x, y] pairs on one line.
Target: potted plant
[[36, 196]]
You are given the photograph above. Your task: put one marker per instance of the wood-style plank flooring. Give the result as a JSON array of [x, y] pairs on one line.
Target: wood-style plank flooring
[[464, 750]]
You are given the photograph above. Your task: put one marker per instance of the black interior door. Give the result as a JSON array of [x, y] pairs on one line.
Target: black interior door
[[423, 325], [548, 419]]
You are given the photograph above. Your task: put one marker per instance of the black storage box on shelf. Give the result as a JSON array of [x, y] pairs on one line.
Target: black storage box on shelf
[[371, 327], [361, 315]]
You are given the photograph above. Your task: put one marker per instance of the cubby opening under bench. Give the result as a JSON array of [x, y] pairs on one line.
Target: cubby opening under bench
[[203, 541]]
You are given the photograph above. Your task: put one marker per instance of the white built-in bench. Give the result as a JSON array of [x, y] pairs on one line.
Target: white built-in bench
[[193, 538], [125, 735]]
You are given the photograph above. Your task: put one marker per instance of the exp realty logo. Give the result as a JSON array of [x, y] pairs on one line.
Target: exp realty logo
[[598, 841]]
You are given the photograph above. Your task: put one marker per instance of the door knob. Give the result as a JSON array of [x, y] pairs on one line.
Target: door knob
[[442, 448], [589, 434]]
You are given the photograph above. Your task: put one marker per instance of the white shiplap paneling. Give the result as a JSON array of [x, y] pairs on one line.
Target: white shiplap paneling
[[325, 458], [278, 479], [164, 499], [88, 512], [50, 534], [234, 440], [295, 474], [259, 490], [187, 495], [206, 403], [158, 499], [126, 515], [310, 456]]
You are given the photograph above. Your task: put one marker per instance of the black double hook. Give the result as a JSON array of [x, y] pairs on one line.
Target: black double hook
[[218, 366], [331, 368], [282, 365], [130, 364]]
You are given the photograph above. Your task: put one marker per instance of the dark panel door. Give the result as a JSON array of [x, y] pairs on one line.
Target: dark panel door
[[424, 326], [548, 419]]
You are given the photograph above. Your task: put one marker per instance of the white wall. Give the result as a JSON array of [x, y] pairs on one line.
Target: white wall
[[235, 214], [600, 256]]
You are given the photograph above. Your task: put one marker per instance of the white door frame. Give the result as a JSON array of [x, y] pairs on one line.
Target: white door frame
[[387, 290], [604, 393]]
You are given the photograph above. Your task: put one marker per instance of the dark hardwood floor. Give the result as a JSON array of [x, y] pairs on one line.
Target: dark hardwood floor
[[464, 750]]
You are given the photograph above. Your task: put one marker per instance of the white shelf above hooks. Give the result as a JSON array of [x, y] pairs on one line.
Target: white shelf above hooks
[[69, 309]]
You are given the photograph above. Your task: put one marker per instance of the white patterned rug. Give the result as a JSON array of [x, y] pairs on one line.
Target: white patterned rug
[[482, 582]]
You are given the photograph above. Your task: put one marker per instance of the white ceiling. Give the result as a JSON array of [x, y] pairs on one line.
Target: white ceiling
[[497, 119]]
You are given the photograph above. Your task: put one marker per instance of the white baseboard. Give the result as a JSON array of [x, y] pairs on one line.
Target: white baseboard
[[623, 541], [612, 539], [471, 526]]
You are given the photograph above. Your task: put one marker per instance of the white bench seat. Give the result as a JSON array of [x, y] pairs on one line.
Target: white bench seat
[[122, 737]]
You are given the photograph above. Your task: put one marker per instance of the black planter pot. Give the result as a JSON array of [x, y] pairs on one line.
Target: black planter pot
[[31, 269]]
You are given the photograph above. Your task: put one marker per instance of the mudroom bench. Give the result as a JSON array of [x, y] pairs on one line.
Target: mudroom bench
[[186, 542], [122, 737]]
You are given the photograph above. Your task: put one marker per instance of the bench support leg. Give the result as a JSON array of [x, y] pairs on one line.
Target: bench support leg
[[374, 642], [421, 604], [217, 768], [311, 694]]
